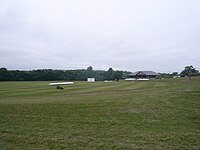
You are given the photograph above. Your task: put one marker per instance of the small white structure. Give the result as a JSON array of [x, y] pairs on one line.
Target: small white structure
[[130, 79], [142, 79], [176, 77], [90, 79], [139, 79], [60, 83], [108, 81]]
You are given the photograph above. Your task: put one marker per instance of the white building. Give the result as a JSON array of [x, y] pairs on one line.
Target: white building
[[90, 79]]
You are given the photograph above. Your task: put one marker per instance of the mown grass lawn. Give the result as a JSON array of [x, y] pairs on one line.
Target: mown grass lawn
[[156, 114]]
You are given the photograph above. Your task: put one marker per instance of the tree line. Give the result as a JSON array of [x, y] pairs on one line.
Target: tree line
[[71, 75], [80, 74], [188, 71]]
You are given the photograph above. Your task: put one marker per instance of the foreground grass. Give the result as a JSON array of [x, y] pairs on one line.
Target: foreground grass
[[157, 114]]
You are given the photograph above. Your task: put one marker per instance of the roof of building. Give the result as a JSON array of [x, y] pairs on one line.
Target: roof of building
[[145, 73]]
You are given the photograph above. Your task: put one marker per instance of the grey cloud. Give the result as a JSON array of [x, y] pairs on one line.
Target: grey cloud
[[149, 35]]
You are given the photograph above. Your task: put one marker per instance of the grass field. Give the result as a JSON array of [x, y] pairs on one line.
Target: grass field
[[156, 114]]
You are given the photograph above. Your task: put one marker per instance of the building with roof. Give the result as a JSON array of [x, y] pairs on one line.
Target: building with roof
[[144, 75]]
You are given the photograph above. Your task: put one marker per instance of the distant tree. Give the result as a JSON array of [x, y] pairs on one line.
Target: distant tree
[[175, 73], [109, 74], [117, 75], [3, 69], [166, 75], [89, 68], [189, 71], [4, 75]]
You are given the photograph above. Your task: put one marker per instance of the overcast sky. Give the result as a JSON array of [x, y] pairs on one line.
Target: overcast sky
[[158, 35]]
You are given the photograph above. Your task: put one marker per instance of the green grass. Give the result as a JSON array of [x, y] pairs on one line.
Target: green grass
[[156, 114]]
